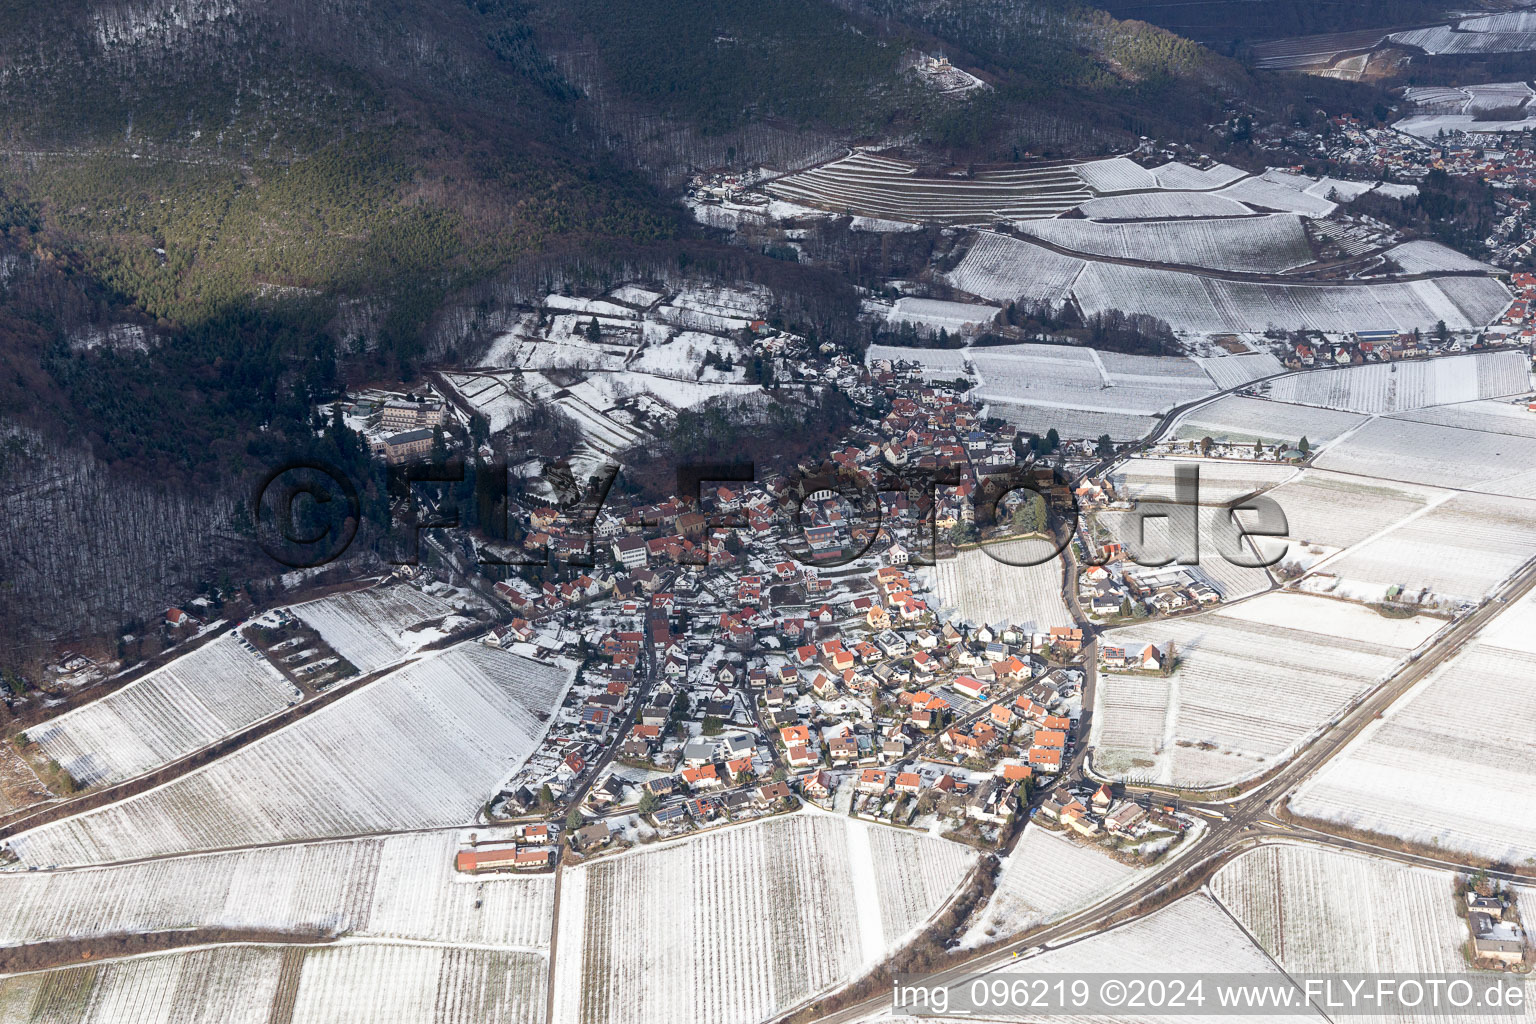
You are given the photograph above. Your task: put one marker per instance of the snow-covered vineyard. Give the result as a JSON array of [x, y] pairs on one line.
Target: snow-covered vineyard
[[1046, 876], [1261, 245], [1402, 387], [801, 903], [375, 627], [246, 984], [1391, 778], [1004, 583], [876, 186], [421, 747], [395, 887], [200, 697], [1252, 682]]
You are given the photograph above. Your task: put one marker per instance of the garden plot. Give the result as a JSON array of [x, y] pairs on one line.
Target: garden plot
[[974, 586], [1235, 371], [1240, 419], [1429, 773], [1254, 682], [1004, 269], [936, 314], [1163, 206], [218, 689], [1429, 453], [1117, 174], [1261, 245], [880, 187], [375, 627], [396, 887], [1424, 257], [1174, 175], [1405, 386], [1195, 303], [221, 985], [1320, 911], [1457, 551], [1047, 876], [771, 912], [422, 747]]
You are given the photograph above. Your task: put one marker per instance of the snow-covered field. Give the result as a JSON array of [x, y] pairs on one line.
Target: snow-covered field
[[1265, 193], [1254, 681], [1490, 416], [1005, 269], [200, 697], [394, 887], [1238, 418], [244, 984], [1261, 245], [1425, 257], [875, 186], [1191, 936], [1459, 550], [1320, 911], [978, 586], [1232, 371], [1053, 376], [374, 627], [1498, 33], [1200, 304], [1444, 766], [1220, 482], [1047, 876], [424, 746], [734, 926], [1174, 175], [1470, 99], [1163, 205], [1337, 511], [1405, 449], [1072, 423], [948, 363], [1117, 174], [1405, 386], [935, 314]]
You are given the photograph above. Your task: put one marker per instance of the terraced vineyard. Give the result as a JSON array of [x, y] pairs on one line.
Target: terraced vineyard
[[875, 186], [200, 697]]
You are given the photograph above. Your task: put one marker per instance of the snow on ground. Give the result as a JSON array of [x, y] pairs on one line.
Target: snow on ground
[[1337, 511], [200, 697], [1117, 174], [1237, 418], [374, 627], [935, 314], [1425, 257], [1234, 371], [394, 887], [1405, 386], [744, 921], [1469, 99], [1163, 205], [1200, 304], [1191, 936], [1320, 911], [1458, 551], [1254, 681], [1174, 175], [1261, 245], [1489, 416], [1405, 449], [1435, 771], [634, 295], [1005, 269], [1429, 126], [979, 586], [1087, 424], [1046, 876], [1264, 193], [1068, 378], [425, 746], [1220, 481], [948, 363], [244, 984]]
